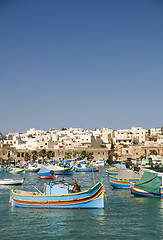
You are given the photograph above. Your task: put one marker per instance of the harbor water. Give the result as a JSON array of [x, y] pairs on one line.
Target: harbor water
[[124, 216]]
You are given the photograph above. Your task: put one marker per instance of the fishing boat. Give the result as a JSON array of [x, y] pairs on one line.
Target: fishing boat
[[60, 197], [80, 161], [11, 181], [115, 170], [17, 171], [52, 176], [85, 168], [51, 170], [124, 178], [2, 169], [31, 168], [150, 185], [112, 171], [97, 163]]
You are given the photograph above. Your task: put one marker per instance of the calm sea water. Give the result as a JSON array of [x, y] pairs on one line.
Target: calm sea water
[[124, 217]]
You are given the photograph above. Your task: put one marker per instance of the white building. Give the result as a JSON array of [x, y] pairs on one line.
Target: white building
[[156, 131], [123, 137], [139, 134]]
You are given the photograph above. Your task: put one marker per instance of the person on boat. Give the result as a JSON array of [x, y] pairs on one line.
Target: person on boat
[[76, 188]]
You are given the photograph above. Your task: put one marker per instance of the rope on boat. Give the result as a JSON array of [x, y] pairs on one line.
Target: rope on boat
[[38, 190]]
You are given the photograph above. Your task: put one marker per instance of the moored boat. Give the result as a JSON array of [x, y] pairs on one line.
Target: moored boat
[[112, 171], [31, 168], [124, 178], [47, 177], [17, 171], [97, 163], [150, 185], [50, 170], [11, 181], [3, 168], [85, 168], [56, 196]]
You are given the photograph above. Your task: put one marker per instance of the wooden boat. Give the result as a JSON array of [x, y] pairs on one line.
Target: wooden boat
[[97, 163], [11, 181], [56, 196], [124, 178], [85, 168], [50, 170], [47, 177], [3, 168], [17, 171], [112, 171], [80, 161], [31, 168], [150, 185]]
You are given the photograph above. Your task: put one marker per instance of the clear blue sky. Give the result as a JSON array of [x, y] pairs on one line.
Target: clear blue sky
[[81, 63]]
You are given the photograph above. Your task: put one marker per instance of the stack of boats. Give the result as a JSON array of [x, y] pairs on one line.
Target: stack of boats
[[144, 183], [124, 178]]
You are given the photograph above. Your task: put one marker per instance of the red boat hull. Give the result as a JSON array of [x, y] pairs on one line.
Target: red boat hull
[[47, 177]]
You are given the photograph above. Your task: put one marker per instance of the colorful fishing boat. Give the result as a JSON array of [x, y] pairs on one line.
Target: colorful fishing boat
[[150, 185], [17, 171], [2, 169], [112, 171], [56, 196], [85, 168], [50, 170], [31, 168], [124, 178]]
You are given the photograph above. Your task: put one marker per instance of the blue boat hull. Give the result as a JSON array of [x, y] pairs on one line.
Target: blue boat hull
[[121, 182], [47, 174], [90, 199]]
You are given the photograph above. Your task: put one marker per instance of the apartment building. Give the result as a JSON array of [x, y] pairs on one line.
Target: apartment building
[[156, 131], [123, 137], [139, 134]]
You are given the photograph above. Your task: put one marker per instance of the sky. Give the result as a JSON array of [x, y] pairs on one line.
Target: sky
[[81, 63]]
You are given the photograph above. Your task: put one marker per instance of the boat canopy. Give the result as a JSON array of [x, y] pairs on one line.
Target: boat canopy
[[126, 174], [150, 182]]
